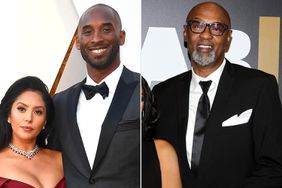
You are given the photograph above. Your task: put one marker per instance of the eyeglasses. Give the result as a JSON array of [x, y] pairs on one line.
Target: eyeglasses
[[215, 28]]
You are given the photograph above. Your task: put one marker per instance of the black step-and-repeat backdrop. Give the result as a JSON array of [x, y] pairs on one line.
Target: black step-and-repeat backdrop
[[256, 36]]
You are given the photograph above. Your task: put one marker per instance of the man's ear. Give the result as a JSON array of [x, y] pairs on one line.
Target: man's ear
[[184, 38], [122, 35], [229, 40], [77, 41]]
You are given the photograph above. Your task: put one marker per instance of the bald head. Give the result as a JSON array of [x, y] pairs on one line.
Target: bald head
[[207, 8], [101, 7]]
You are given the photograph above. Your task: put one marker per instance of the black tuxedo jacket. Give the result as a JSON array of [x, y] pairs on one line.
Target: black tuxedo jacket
[[117, 161], [235, 153]]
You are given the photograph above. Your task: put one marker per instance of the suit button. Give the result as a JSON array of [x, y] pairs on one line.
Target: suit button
[[91, 180]]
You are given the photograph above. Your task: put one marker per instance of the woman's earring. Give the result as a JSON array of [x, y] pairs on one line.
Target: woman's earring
[[44, 125]]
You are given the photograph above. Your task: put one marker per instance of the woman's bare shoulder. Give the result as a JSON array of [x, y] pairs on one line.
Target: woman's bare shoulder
[[168, 159], [53, 158], [50, 152], [52, 155], [164, 145]]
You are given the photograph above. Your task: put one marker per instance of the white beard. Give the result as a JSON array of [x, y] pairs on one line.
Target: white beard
[[196, 56]]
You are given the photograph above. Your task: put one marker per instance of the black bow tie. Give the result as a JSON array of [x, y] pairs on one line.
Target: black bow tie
[[90, 91]]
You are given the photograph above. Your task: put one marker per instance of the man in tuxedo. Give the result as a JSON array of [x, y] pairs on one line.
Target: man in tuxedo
[[233, 137], [97, 123]]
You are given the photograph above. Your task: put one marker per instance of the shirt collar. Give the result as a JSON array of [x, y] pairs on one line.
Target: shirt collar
[[214, 76], [111, 80]]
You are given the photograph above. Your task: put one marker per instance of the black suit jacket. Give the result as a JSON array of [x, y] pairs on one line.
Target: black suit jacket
[[117, 161], [242, 155]]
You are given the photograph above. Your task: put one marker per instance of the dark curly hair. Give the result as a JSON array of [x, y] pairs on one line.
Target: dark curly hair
[[149, 112], [16, 89]]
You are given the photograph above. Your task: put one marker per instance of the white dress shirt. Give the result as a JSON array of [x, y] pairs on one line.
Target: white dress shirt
[[195, 94], [91, 113]]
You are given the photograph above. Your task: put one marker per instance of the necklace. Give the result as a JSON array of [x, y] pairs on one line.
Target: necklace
[[27, 154]]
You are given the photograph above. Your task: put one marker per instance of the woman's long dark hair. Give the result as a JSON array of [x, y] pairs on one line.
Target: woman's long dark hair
[[149, 112], [17, 88]]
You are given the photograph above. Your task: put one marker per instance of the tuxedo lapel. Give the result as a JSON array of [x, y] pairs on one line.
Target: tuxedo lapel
[[217, 112], [222, 95], [73, 141], [183, 100], [183, 87], [121, 98]]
